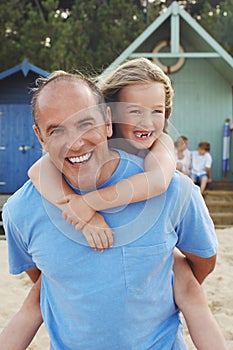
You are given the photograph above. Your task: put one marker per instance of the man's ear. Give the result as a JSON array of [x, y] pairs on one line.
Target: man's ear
[[109, 122], [38, 135]]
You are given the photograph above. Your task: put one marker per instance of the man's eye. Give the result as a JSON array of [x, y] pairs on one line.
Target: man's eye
[[135, 111], [86, 124], [56, 131]]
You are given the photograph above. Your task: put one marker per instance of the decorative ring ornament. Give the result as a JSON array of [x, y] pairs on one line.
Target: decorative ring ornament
[[168, 69]]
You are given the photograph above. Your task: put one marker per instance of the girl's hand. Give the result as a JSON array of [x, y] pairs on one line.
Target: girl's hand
[[98, 234], [76, 211]]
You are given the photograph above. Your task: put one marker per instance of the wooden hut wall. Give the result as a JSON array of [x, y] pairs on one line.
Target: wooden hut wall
[[202, 102]]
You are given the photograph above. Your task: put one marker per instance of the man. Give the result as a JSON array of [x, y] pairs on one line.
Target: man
[[122, 298]]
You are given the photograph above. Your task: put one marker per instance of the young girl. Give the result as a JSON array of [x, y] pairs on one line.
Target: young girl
[[145, 96]]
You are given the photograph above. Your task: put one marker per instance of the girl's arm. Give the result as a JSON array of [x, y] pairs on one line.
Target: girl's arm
[[78, 210], [53, 187], [159, 166], [20, 331], [51, 184], [190, 298]]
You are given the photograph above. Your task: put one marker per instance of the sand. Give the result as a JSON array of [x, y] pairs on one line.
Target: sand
[[218, 288]]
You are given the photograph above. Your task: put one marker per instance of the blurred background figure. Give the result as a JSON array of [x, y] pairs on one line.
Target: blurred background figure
[[201, 162], [187, 155], [183, 156]]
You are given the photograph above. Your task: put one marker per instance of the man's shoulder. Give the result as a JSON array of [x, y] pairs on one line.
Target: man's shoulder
[[181, 185], [180, 177], [183, 196], [23, 197]]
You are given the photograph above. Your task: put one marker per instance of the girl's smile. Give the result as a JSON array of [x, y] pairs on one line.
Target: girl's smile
[[141, 113]]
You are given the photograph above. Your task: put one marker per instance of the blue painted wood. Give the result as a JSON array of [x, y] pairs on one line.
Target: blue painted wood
[[16, 88], [24, 67], [19, 147]]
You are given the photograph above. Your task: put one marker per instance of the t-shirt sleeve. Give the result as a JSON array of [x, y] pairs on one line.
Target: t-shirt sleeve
[[196, 232], [18, 257], [208, 160]]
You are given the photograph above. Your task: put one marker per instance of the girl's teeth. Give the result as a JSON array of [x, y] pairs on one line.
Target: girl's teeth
[[143, 135]]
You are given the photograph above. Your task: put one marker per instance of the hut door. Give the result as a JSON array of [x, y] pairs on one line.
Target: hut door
[[19, 147]]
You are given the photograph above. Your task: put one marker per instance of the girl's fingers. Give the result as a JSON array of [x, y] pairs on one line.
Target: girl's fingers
[[109, 234], [90, 240], [98, 242], [64, 215], [101, 239], [78, 225]]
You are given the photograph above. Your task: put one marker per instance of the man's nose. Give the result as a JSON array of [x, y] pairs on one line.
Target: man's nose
[[74, 139]]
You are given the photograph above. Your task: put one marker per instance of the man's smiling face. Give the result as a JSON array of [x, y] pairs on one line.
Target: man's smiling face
[[72, 129]]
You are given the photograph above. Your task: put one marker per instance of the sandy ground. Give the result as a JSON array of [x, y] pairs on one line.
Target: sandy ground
[[218, 287]]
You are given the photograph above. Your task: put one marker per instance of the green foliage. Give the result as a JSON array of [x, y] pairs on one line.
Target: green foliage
[[12, 16], [88, 35], [218, 21], [96, 33]]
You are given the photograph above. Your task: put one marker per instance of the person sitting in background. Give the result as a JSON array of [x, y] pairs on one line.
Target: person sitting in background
[[181, 158], [187, 155], [201, 165]]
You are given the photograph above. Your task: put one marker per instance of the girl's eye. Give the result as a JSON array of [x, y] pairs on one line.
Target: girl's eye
[[157, 111]]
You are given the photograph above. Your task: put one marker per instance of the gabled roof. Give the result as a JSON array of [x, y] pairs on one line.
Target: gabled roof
[[25, 67], [204, 44]]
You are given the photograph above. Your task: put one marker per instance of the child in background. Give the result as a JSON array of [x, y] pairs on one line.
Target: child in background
[[180, 159], [146, 94], [187, 154], [201, 166], [182, 155]]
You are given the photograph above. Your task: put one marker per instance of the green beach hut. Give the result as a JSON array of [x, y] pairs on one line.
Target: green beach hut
[[202, 75]]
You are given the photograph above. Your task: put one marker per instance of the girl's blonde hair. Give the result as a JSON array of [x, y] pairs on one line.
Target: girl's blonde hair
[[139, 70]]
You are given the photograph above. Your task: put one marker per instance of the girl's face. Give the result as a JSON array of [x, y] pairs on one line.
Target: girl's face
[[141, 113]]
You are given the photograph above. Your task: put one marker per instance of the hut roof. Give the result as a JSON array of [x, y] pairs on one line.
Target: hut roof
[[183, 28], [25, 67]]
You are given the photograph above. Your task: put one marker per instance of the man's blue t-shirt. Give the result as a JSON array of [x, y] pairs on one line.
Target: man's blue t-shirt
[[122, 298]]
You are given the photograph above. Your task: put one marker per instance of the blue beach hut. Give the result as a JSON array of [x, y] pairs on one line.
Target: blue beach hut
[[19, 147]]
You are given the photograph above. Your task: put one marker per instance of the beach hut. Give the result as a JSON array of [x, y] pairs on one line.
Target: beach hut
[[202, 75], [19, 147]]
